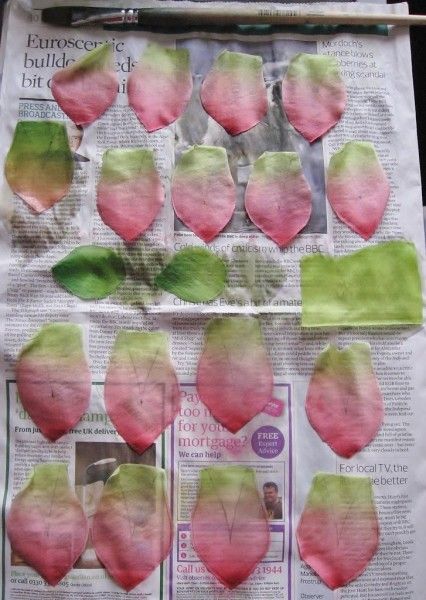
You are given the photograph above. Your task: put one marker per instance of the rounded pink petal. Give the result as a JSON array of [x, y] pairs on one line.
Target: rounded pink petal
[[278, 198], [314, 95], [234, 92], [203, 191]]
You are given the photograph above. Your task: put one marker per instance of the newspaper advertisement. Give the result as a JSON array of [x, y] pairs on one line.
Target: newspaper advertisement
[[279, 443]]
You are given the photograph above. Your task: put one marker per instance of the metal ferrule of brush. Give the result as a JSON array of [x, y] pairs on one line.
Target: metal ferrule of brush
[[127, 16]]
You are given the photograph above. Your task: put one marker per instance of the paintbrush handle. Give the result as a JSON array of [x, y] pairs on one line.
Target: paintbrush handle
[[257, 16]]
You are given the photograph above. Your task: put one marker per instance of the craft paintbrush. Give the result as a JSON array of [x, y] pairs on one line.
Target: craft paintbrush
[[196, 17]]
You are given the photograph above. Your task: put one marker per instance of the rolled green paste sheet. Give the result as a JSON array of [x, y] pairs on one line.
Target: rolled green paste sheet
[[378, 285]]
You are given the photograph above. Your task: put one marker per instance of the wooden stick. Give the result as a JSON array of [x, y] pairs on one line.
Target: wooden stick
[[257, 16]]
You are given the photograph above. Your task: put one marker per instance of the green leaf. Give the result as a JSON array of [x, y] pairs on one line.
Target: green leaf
[[90, 272], [194, 274], [378, 285]]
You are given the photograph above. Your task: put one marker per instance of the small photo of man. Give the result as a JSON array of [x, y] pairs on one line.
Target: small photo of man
[[273, 502]]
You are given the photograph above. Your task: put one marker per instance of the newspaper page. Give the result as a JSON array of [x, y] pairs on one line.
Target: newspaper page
[[279, 444]]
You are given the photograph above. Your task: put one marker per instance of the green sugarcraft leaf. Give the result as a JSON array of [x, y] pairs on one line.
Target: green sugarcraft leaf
[[194, 274], [132, 528], [338, 532], [90, 272], [39, 165], [379, 285]]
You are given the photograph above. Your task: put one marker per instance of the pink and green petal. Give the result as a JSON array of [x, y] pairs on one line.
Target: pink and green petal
[[53, 378], [234, 92], [338, 531], [130, 193], [278, 198], [344, 403], [234, 375], [132, 528], [90, 272], [160, 86], [46, 524], [39, 165], [314, 94], [203, 191], [86, 88], [194, 274], [357, 187], [141, 388], [230, 531]]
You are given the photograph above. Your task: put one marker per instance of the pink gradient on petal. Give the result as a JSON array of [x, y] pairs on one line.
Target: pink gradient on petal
[[280, 207], [130, 207], [85, 96], [131, 550], [53, 392], [359, 198], [338, 543], [346, 414], [157, 99], [236, 103], [313, 109]]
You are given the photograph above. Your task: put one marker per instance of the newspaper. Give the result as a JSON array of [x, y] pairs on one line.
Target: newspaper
[[279, 444]]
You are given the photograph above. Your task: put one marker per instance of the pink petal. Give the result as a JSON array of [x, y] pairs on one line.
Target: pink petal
[[86, 88], [278, 198], [130, 193], [234, 375], [234, 92], [357, 187], [338, 532], [314, 94], [141, 389], [46, 524], [344, 404], [53, 378], [132, 529], [203, 191], [160, 86], [230, 531]]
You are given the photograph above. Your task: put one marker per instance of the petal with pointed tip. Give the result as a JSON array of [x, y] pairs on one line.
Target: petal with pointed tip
[[314, 94], [130, 193], [53, 378], [357, 187], [160, 86], [234, 92], [46, 524], [39, 165], [234, 374], [141, 389], [230, 531], [338, 531], [278, 198], [203, 191], [86, 88], [132, 529], [344, 403]]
